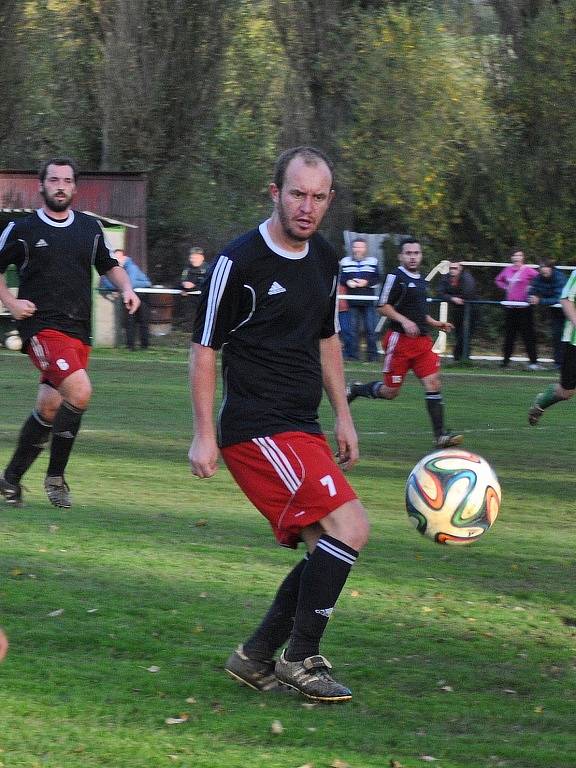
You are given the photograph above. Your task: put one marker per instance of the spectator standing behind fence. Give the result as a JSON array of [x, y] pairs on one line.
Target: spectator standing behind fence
[[457, 288], [193, 275], [358, 276], [545, 291], [515, 281], [136, 321]]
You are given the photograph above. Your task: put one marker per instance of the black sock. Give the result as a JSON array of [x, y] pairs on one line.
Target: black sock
[[368, 390], [321, 582], [435, 406], [64, 431], [276, 626], [34, 435]]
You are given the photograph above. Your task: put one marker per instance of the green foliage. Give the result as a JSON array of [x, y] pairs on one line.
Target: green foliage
[[421, 109]]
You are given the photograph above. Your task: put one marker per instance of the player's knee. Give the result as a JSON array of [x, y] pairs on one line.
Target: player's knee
[[388, 393], [349, 524]]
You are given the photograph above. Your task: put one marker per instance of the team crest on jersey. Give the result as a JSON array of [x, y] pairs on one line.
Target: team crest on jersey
[[41, 243], [276, 288], [411, 285], [62, 364]]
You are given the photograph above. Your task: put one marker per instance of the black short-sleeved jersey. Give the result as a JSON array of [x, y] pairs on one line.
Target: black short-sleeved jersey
[[268, 309], [406, 292], [54, 261]]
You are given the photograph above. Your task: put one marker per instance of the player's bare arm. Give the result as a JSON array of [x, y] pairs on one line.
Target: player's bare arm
[[18, 308], [119, 277], [443, 326], [568, 308], [410, 328], [335, 386], [203, 453]]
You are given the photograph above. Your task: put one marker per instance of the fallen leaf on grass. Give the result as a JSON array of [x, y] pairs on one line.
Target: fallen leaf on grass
[[200, 523], [340, 764], [92, 610], [182, 717], [153, 668], [53, 528], [396, 764], [276, 728], [307, 765], [16, 572], [191, 700], [428, 758], [354, 593], [57, 612], [510, 690]]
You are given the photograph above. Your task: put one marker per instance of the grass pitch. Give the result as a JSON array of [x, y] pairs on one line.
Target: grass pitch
[[122, 610]]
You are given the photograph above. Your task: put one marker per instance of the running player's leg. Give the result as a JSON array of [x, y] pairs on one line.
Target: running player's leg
[[396, 366], [427, 368], [562, 390], [33, 437]]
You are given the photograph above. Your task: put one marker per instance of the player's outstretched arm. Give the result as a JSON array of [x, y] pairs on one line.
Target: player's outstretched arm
[[119, 277], [203, 453], [335, 386]]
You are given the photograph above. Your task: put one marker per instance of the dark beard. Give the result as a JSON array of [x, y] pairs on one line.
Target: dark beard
[[57, 206]]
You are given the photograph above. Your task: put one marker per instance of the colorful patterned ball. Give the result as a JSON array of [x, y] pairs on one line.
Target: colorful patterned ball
[[452, 496]]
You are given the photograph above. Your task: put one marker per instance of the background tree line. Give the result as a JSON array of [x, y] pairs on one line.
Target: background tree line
[[451, 119]]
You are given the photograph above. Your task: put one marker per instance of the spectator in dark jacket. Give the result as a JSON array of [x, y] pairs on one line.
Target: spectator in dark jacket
[[545, 291], [457, 288]]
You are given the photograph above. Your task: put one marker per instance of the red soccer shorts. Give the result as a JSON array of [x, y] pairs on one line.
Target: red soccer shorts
[[291, 478], [402, 353], [57, 355]]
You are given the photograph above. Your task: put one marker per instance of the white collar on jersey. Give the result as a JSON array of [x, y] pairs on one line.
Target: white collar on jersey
[[414, 275], [263, 228], [47, 220]]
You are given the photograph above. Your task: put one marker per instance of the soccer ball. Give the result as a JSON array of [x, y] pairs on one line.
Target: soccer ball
[[13, 341], [452, 496]]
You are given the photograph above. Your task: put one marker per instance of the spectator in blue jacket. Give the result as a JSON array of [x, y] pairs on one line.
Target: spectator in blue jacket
[[545, 291], [358, 276], [138, 321]]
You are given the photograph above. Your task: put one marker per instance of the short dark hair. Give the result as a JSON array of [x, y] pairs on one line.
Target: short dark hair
[[547, 262], [43, 170], [310, 155], [196, 249], [408, 241], [119, 250], [359, 240]]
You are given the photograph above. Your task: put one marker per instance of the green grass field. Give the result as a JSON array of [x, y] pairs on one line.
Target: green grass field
[[122, 610]]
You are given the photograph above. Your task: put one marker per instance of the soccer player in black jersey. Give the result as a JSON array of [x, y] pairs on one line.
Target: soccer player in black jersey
[[407, 344], [269, 303], [54, 250]]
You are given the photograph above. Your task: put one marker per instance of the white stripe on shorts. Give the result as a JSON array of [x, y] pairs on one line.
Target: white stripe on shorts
[[278, 459]]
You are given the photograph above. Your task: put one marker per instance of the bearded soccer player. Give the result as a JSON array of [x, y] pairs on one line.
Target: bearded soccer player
[[269, 303], [408, 344], [54, 250]]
